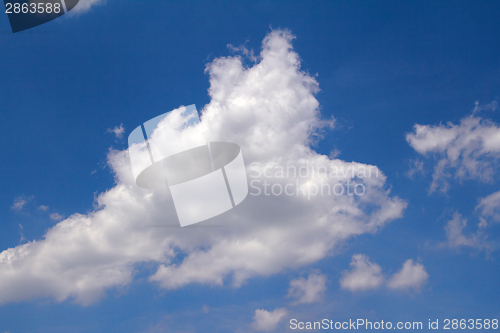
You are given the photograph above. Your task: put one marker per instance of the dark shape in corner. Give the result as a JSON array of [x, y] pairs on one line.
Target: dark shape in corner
[[26, 14]]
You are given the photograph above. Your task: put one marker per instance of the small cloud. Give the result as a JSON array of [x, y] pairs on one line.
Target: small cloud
[[482, 223], [416, 167], [21, 232], [334, 153], [117, 130], [364, 275], [56, 216], [267, 321], [455, 236], [490, 206], [43, 208], [467, 150], [205, 309], [493, 106], [308, 291], [19, 203], [412, 275]]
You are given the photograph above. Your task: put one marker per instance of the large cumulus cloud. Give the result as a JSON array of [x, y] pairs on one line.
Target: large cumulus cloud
[[270, 110]]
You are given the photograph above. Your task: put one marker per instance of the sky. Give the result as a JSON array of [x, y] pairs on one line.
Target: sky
[[407, 90]]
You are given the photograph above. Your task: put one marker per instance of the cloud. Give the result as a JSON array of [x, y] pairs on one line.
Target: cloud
[[493, 106], [363, 275], [117, 130], [43, 208], [412, 275], [490, 206], [19, 204], [86, 5], [308, 291], [270, 111], [267, 321], [21, 228], [469, 150], [416, 167], [56, 216], [456, 238]]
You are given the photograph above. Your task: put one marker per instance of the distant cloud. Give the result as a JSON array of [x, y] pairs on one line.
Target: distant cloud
[[21, 228], [43, 208], [19, 204], [456, 238], [493, 106], [268, 321], [117, 130], [308, 291], [363, 275], [490, 206], [416, 167], [56, 216], [412, 275], [468, 150]]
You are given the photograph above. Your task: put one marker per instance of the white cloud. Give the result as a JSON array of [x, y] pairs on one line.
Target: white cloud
[[117, 131], [308, 290], [268, 321], [21, 228], [56, 216], [85, 5], [412, 275], [490, 206], [416, 167], [363, 275], [456, 238], [493, 106], [270, 111], [43, 208], [469, 150], [19, 204]]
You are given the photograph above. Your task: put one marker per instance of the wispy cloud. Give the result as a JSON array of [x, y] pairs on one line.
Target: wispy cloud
[[468, 150], [19, 204], [56, 216], [456, 238], [416, 167], [490, 206], [21, 228], [117, 131]]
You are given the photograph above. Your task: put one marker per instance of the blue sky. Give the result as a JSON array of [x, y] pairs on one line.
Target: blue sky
[[381, 68]]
